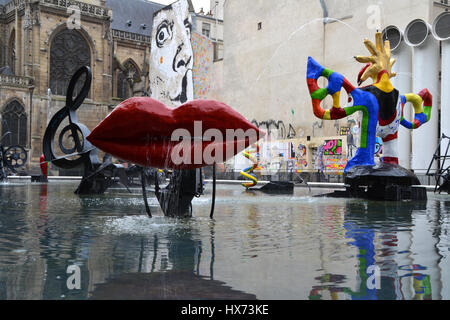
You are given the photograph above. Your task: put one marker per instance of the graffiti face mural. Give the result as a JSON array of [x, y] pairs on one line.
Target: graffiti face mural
[[171, 56]]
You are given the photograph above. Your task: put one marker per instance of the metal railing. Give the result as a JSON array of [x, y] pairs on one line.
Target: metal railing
[[130, 36]]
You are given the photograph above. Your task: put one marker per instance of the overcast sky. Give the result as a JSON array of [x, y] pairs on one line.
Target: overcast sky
[[197, 4]]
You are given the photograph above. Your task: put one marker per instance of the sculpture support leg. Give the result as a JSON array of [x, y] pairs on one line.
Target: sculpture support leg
[[390, 151]]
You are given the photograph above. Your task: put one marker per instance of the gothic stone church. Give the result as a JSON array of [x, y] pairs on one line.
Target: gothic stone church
[[40, 51]]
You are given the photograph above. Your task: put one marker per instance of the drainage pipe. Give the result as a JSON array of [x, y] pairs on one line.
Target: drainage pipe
[[441, 31], [403, 83], [425, 75]]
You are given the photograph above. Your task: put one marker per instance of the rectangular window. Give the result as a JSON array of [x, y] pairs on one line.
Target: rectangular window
[[206, 29], [218, 51]]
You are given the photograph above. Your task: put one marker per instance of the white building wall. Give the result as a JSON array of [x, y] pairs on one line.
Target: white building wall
[[265, 70]]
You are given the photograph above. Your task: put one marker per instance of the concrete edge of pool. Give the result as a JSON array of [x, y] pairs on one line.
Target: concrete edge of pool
[[326, 185]]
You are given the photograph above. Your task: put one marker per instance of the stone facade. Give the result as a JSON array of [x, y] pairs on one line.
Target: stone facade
[[28, 28], [117, 35]]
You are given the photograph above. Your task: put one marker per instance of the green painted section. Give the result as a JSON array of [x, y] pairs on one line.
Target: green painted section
[[364, 122], [327, 73], [427, 111], [319, 94]]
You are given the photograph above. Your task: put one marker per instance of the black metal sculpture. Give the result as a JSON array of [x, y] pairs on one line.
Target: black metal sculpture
[[11, 159], [98, 176], [175, 199], [442, 174]]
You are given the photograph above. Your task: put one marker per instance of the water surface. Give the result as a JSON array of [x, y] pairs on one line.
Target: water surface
[[257, 247]]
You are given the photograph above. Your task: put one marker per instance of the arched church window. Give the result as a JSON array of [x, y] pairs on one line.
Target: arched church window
[[14, 120], [131, 71], [68, 52]]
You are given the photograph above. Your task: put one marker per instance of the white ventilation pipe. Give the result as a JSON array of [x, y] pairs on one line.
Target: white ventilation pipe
[[403, 83], [425, 75], [441, 31]]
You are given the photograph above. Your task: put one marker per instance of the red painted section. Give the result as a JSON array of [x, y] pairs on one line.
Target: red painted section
[[140, 129], [348, 86], [391, 160], [381, 74], [417, 124], [337, 113], [427, 97], [317, 109], [388, 121], [391, 137], [312, 85], [45, 166], [362, 72]]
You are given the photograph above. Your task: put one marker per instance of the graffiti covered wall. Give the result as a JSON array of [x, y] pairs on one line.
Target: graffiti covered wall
[[328, 155], [203, 50]]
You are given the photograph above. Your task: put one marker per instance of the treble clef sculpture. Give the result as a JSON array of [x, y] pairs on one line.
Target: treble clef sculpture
[[82, 147], [97, 176]]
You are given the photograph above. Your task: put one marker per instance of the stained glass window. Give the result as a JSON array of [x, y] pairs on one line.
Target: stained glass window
[[69, 51], [14, 120], [123, 85]]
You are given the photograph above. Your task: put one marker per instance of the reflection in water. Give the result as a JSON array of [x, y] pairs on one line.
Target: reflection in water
[[182, 282], [258, 246], [372, 228]]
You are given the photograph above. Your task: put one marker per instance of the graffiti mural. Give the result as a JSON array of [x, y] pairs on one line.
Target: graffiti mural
[[171, 55], [323, 155], [276, 129], [203, 50], [302, 150], [344, 131], [335, 165], [332, 147]]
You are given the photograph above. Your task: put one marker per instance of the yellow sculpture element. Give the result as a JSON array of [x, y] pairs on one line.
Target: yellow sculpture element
[[380, 61], [416, 101], [247, 172]]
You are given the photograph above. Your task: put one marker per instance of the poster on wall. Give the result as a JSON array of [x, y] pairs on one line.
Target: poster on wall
[[335, 165], [171, 55], [332, 147]]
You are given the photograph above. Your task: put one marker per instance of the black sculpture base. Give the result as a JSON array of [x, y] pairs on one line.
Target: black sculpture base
[[95, 185], [385, 181], [176, 199], [277, 187]]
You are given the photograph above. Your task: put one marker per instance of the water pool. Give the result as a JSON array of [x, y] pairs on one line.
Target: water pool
[[257, 247]]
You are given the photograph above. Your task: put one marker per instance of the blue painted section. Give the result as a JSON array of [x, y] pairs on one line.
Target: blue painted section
[[335, 82], [422, 118], [365, 156], [403, 98], [314, 70], [406, 124], [363, 239]]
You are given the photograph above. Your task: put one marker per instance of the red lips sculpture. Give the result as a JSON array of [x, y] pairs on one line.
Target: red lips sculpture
[[199, 133]]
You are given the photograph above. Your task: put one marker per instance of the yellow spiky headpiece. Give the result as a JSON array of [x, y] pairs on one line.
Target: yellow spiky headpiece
[[379, 60]]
